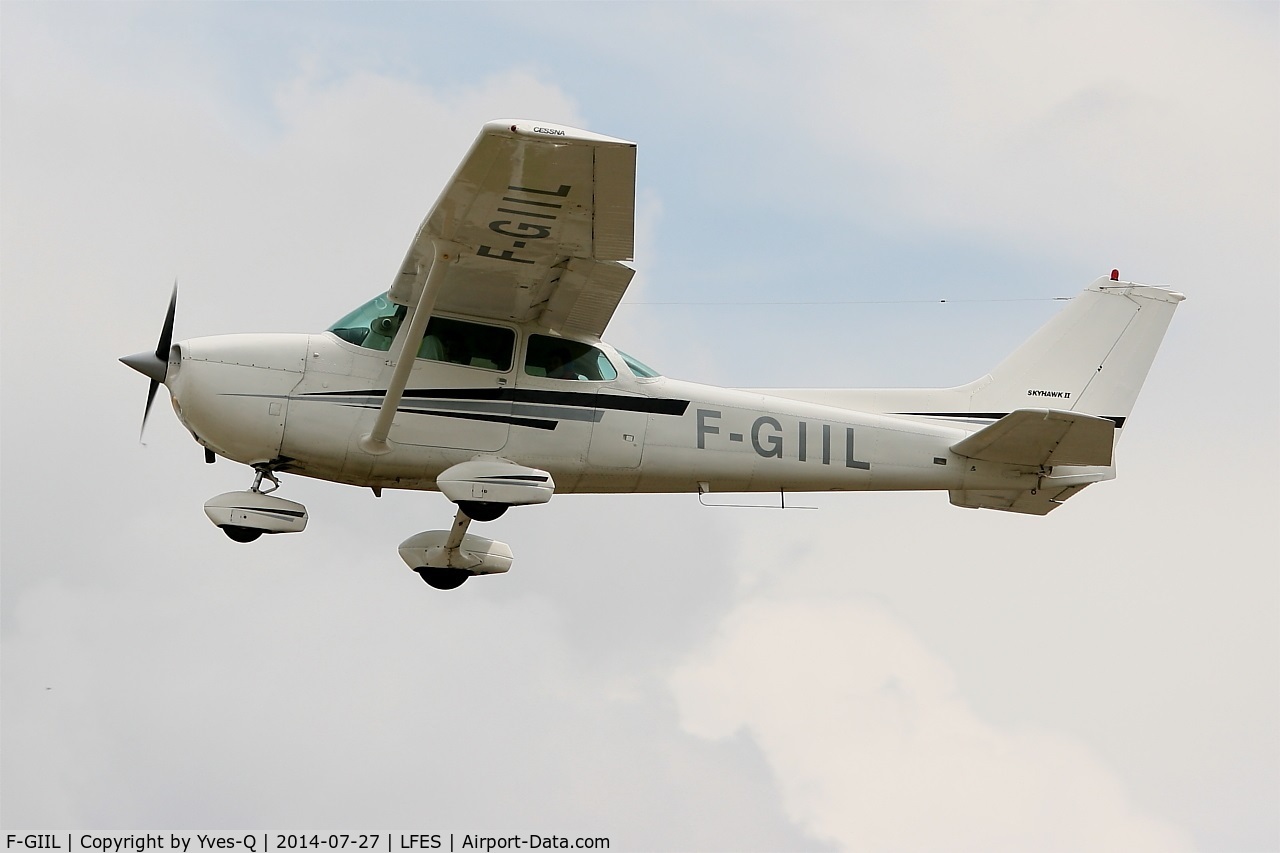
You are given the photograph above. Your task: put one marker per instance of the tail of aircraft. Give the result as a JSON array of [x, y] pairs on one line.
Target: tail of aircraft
[[1056, 403], [1091, 358], [1056, 398]]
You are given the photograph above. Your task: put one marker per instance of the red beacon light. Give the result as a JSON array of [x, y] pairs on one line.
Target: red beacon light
[[1115, 275]]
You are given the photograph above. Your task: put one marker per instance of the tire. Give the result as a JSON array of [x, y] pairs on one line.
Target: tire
[[240, 534], [478, 511], [443, 578]]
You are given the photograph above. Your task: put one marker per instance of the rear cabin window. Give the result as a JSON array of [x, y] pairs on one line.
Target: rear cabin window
[[374, 326], [557, 358]]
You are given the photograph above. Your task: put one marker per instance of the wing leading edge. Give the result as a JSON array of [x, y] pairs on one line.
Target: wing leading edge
[[540, 214]]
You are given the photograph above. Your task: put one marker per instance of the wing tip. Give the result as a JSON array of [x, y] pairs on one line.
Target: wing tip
[[549, 131]]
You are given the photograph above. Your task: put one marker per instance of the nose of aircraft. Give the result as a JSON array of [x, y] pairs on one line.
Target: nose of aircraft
[[155, 365], [148, 364]]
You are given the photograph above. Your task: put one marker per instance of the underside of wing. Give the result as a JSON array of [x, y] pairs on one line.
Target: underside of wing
[[539, 215], [1041, 438]]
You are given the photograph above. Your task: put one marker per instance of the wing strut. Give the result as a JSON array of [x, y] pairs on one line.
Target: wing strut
[[410, 338]]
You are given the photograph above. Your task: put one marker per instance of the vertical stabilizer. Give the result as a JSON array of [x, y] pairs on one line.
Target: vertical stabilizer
[[1091, 358]]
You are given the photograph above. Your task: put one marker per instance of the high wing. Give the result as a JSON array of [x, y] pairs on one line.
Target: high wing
[[539, 216]]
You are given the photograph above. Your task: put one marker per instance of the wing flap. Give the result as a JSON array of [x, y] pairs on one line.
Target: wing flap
[[1042, 437], [586, 296]]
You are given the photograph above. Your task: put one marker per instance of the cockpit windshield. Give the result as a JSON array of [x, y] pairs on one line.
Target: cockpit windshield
[[372, 325], [638, 367]]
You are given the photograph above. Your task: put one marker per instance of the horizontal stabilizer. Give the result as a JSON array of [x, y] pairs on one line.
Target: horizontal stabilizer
[[1027, 501], [1042, 437]]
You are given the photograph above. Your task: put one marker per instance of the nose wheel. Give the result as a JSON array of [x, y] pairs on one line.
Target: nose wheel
[[237, 533], [245, 516], [240, 534]]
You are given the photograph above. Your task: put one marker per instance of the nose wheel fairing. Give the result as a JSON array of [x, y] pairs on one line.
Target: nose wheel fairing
[[246, 515], [241, 514]]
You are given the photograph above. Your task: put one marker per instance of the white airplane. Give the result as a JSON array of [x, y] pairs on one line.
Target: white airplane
[[481, 373]]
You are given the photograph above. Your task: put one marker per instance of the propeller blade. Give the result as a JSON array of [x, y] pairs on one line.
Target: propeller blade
[[155, 365], [166, 333], [146, 413]]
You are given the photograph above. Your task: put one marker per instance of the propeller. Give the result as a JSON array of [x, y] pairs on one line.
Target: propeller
[[155, 365]]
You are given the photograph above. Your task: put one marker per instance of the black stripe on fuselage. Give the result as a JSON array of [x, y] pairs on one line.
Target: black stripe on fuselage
[[575, 399], [995, 416], [514, 420]]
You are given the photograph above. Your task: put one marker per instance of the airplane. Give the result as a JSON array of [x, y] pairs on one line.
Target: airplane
[[481, 373]]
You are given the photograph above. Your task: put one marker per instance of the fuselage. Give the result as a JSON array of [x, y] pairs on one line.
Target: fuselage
[[301, 403]]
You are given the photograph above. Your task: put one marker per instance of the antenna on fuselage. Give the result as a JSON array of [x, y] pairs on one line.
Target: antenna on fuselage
[[704, 489]]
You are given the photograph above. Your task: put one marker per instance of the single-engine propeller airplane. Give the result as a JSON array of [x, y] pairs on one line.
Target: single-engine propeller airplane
[[481, 373]]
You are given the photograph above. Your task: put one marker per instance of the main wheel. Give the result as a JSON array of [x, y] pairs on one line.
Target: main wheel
[[240, 534], [443, 578], [479, 511]]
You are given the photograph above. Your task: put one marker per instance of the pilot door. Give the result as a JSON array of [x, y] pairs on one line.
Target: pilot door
[[617, 437]]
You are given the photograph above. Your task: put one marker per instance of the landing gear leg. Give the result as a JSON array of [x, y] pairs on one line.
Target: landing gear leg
[[448, 577], [264, 471]]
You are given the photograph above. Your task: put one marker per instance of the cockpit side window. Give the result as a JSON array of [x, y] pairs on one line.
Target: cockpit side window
[[557, 358], [472, 344], [374, 326]]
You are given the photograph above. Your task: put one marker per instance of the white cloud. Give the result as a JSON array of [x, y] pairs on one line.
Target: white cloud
[[874, 749], [1100, 125]]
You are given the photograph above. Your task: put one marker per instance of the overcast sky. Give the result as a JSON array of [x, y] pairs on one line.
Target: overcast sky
[[889, 672]]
